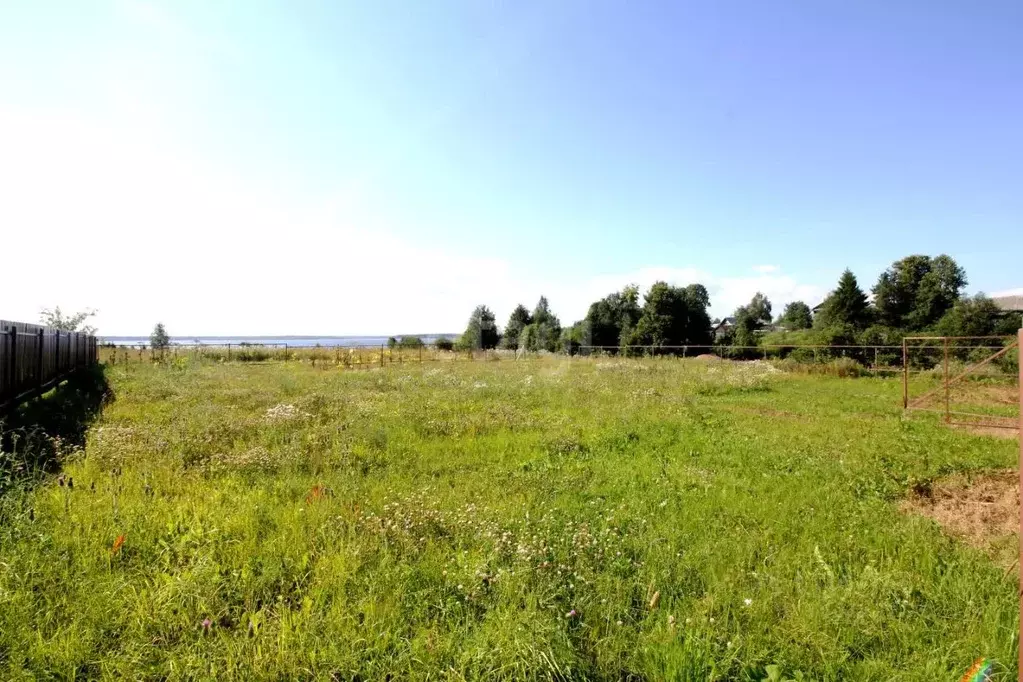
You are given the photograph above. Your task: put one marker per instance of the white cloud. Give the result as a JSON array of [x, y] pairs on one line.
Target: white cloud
[[766, 269]]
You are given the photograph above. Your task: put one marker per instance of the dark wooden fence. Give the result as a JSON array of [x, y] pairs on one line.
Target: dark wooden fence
[[35, 358]]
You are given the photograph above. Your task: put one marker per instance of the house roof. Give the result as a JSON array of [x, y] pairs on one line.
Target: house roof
[[1010, 304]]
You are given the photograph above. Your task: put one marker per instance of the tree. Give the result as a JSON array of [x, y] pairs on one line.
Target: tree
[[444, 343], [759, 308], [392, 342], [519, 318], [846, 305], [698, 324], [159, 340], [481, 331], [976, 316], [915, 292], [74, 322], [750, 318], [410, 342], [544, 332], [797, 315], [607, 318]]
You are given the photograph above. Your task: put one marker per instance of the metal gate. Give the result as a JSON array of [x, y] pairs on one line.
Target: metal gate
[[969, 381]]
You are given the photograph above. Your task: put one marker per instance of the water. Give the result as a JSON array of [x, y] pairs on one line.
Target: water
[[290, 341]]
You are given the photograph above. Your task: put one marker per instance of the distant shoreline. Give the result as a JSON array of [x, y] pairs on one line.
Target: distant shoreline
[[292, 340]]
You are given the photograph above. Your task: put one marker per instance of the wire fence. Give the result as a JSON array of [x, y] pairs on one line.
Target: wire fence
[[873, 358]]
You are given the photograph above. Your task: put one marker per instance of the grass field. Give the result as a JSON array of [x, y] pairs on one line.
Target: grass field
[[541, 519]]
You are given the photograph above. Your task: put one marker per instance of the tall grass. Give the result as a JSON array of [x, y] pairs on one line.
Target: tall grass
[[542, 519]]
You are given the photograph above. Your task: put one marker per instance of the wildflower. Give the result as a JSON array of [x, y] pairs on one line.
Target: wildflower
[[671, 621], [619, 622], [664, 503], [729, 644], [571, 614], [747, 602], [206, 624], [117, 544]]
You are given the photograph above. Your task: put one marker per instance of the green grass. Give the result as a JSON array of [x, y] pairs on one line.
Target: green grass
[[443, 522]]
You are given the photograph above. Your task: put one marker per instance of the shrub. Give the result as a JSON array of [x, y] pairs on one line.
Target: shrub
[[444, 343]]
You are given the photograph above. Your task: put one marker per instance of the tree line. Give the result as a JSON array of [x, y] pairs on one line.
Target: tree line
[[915, 295]]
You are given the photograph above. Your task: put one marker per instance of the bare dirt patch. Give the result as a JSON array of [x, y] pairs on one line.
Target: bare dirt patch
[[981, 510], [708, 357], [981, 430]]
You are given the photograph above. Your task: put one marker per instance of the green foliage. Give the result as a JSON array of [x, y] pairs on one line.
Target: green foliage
[[797, 315], [517, 321], [159, 340], [846, 306], [544, 331], [410, 342], [444, 343], [915, 292], [74, 322], [392, 342], [608, 318], [672, 316], [749, 319], [481, 331], [976, 316]]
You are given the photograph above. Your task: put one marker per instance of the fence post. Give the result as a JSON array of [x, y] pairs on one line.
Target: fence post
[[39, 364], [229, 352], [13, 331], [56, 352], [948, 415], [905, 375], [381, 355]]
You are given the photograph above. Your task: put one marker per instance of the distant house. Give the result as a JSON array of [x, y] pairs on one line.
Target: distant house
[[723, 327], [1010, 304]]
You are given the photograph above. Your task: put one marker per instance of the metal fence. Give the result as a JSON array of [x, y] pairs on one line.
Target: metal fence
[[35, 358], [879, 358]]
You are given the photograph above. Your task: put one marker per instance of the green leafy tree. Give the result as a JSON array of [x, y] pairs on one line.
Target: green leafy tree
[[607, 318], [517, 321], [671, 316], [75, 322], [749, 319], [444, 343], [846, 306], [392, 342], [544, 332], [976, 316], [797, 315], [698, 323], [481, 331], [410, 342], [159, 340], [917, 291]]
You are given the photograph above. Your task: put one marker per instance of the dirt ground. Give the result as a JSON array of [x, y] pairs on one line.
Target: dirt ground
[[983, 511]]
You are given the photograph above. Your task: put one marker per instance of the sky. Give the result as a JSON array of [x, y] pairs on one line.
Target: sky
[[382, 167]]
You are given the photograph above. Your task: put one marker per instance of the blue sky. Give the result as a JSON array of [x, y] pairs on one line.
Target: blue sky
[[380, 167]]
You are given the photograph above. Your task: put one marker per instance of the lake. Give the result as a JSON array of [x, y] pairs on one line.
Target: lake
[[290, 341]]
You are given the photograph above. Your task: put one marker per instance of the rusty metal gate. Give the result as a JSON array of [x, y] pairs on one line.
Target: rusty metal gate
[[969, 381]]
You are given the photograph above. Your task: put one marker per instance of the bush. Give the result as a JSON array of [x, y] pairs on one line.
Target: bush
[[411, 342], [842, 367], [444, 343]]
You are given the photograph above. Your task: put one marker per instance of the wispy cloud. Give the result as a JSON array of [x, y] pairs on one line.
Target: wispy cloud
[[766, 269]]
